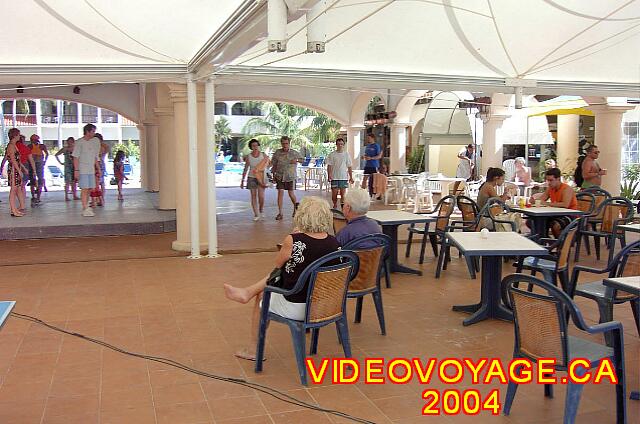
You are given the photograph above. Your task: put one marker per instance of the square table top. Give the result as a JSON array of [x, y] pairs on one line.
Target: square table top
[[392, 217], [546, 211], [5, 310], [634, 228], [628, 284], [496, 244]]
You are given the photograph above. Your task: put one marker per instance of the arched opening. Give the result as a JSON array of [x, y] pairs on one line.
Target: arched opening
[[220, 108]]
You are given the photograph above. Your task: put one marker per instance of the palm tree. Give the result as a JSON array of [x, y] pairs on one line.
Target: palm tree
[[223, 130], [293, 121]]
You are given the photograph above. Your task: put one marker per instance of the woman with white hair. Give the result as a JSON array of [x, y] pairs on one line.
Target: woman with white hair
[[522, 171], [309, 241]]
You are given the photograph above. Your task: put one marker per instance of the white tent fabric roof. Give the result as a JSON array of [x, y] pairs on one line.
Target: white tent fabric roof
[[69, 32], [575, 40]]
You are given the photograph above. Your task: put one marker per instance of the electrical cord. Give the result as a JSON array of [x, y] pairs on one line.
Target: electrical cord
[[242, 382]]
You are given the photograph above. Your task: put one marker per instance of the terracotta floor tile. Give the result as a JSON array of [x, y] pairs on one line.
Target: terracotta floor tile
[[23, 412], [139, 415], [93, 418], [75, 405], [24, 392], [223, 409], [262, 419], [75, 387], [295, 417], [180, 393], [184, 413], [127, 398], [274, 405]]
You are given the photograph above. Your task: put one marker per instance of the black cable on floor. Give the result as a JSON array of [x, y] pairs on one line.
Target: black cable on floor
[[259, 387]]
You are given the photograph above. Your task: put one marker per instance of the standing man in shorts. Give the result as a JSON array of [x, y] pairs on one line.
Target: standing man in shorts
[[339, 171], [284, 163], [85, 159], [40, 155], [372, 156]]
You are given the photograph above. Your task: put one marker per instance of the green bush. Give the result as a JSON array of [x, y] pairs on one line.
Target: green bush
[[631, 182], [415, 161]]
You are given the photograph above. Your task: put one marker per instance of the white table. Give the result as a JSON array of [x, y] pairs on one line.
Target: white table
[[491, 249], [390, 220], [629, 285], [632, 228], [444, 183], [540, 214]]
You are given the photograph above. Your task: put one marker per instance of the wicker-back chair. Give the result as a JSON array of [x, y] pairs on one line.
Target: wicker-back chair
[[493, 209], [339, 220], [328, 279], [372, 250], [470, 222], [443, 210], [587, 204], [556, 264], [541, 331], [613, 212], [604, 296]]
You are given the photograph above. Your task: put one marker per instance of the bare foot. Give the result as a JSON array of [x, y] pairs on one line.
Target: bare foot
[[236, 294], [248, 354]]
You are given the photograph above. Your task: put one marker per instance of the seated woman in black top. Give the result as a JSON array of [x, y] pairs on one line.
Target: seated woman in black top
[[309, 241]]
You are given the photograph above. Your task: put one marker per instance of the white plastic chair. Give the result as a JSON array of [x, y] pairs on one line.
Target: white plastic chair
[[509, 167]]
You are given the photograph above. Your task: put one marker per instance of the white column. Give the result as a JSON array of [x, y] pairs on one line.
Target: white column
[[144, 160], [166, 158], [492, 143], [608, 138], [192, 118], [39, 121], [568, 134], [151, 155], [209, 101], [354, 142], [398, 160]]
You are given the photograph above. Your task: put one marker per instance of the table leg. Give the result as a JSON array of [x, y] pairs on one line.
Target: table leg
[[540, 226], [490, 305], [392, 231], [635, 395]]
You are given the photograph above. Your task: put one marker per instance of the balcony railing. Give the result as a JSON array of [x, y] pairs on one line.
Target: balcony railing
[[89, 119], [128, 123], [70, 119], [21, 120], [49, 119]]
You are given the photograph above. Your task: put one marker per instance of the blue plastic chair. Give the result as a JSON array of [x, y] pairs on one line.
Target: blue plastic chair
[[319, 161], [372, 250], [541, 331], [219, 167], [306, 161], [328, 281]]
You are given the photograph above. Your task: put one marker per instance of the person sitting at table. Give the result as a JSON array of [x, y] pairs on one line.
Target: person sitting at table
[[488, 189], [523, 174], [559, 195], [355, 208], [309, 241]]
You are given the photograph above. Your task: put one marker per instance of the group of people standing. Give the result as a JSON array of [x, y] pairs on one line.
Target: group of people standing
[[84, 165], [283, 165]]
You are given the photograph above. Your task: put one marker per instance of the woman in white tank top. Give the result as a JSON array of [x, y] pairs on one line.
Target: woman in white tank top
[[256, 163]]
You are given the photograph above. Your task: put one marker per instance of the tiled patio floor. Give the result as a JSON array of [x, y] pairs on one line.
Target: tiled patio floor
[[175, 307]]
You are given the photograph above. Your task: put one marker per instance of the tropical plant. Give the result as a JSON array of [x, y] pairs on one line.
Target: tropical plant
[[223, 130], [415, 160], [130, 149], [630, 182], [281, 119]]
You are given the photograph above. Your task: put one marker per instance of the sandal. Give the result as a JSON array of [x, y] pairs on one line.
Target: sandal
[[279, 217]]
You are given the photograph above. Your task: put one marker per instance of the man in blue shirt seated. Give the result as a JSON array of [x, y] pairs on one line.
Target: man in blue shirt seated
[[355, 208]]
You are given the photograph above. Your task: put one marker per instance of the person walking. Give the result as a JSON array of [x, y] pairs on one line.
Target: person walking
[[85, 158], [372, 156], [118, 172], [284, 163], [339, 172], [69, 182], [591, 171], [14, 173], [256, 164], [40, 155], [466, 165]]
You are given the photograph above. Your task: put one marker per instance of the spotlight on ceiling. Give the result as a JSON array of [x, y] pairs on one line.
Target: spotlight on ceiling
[[20, 90], [76, 90]]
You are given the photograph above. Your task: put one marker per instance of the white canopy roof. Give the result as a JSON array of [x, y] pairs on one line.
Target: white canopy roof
[[573, 40], [568, 46]]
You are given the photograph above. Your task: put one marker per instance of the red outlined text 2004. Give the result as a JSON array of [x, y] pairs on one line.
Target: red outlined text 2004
[[453, 371]]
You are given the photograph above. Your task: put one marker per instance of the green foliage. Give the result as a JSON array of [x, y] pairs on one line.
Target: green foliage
[[223, 130], [631, 182], [130, 149], [415, 161], [280, 119]]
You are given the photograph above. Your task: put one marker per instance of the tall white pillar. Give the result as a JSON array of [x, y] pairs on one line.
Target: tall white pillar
[[398, 160], [151, 155], [166, 158], [608, 138], [212, 233], [192, 131], [568, 134], [492, 143], [144, 160], [354, 141]]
